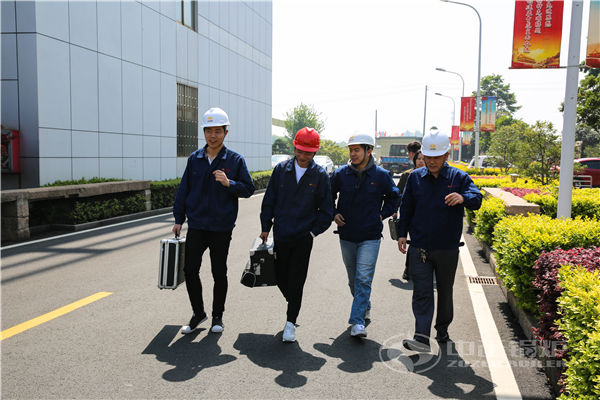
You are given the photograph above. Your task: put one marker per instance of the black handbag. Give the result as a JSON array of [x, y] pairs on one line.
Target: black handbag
[[260, 269]]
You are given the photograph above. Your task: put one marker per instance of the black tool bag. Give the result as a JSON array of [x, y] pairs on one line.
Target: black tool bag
[[392, 225], [260, 269]]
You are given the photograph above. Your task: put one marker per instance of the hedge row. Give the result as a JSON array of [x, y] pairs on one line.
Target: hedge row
[[503, 181], [585, 203], [492, 210], [518, 242], [94, 209], [579, 322]]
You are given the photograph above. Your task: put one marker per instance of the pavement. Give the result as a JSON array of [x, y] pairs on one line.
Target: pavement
[[127, 344]]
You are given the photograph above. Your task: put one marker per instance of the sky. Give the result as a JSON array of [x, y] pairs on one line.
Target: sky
[[349, 58]]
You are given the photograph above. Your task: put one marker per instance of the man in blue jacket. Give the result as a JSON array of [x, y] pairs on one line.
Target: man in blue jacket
[[432, 212], [213, 180], [298, 205], [367, 195]]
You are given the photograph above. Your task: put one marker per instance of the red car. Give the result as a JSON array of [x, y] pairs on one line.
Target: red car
[[591, 166]]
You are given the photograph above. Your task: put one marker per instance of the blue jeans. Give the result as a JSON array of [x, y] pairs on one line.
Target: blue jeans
[[360, 259]]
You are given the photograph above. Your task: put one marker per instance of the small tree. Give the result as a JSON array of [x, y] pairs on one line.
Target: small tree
[[539, 152], [506, 141], [282, 145], [338, 153], [301, 116]]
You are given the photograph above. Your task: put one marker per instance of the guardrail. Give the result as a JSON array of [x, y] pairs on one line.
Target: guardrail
[[15, 203]]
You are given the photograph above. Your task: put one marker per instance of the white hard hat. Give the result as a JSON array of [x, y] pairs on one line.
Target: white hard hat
[[215, 117], [435, 144], [361, 139]]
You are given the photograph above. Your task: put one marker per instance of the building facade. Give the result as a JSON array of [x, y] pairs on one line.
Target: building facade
[[116, 89]]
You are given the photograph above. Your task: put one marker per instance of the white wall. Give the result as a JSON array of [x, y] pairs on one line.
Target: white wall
[[93, 90]]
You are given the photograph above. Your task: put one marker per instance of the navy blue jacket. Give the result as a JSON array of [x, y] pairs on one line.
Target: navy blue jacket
[[294, 210], [432, 224], [364, 207], [206, 203]]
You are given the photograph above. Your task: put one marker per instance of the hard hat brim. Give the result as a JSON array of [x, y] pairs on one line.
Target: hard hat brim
[[435, 153], [306, 148], [214, 124]]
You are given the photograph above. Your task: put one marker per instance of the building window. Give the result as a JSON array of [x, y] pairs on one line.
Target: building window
[[187, 120], [186, 13]]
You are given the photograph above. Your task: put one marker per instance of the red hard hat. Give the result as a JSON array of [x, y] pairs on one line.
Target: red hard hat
[[307, 139]]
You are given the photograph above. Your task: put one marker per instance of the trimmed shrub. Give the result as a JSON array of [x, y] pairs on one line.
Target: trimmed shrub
[[518, 242], [97, 208], [261, 178], [580, 318], [585, 203], [503, 181], [491, 212], [546, 281], [484, 171], [163, 193], [82, 181]]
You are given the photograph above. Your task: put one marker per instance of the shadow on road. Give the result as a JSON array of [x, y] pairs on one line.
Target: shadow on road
[[452, 373], [400, 284], [187, 357], [268, 351], [357, 355]]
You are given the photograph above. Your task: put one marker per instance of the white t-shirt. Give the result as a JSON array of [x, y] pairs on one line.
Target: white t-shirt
[[299, 171]]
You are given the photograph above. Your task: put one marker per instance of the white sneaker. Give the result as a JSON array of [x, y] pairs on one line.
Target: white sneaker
[[358, 330], [289, 332], [193, 325]]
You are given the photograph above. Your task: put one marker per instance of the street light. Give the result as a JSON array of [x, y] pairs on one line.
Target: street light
[[453, 111], [463, 95], [478, 98]]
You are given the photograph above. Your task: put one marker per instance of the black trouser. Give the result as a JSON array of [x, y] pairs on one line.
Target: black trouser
[[291, 267], [196, 242], [443, 264]]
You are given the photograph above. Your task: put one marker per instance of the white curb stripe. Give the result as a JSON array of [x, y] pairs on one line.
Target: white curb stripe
[[505, 385]]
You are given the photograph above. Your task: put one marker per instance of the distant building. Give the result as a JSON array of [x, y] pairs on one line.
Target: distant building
[[116, 89]]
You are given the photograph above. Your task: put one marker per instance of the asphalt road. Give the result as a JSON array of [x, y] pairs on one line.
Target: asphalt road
[[127, 345]]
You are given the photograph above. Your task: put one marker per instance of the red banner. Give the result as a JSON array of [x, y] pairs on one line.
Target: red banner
[[455, 138], [537, 34], [592, 59], [466, 140], [467, 114]]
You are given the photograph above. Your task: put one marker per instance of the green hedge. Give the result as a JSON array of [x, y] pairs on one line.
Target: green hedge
[[261, 178], [518, 242], [585, 203], [579, 322], [94, 209], [81, 181], [491, 212]]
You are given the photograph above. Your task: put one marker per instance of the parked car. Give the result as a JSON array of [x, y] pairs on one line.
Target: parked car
[[325, 162], [487, 162], [591, 167], [277, 158]]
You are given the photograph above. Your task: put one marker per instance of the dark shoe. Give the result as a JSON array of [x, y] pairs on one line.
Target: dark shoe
[[217, 325], [442, 337], [194, 322], [415, 345], [405, 275]]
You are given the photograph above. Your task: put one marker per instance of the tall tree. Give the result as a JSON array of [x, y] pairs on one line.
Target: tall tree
[[506, 141], [301, 116], [282, 145], [588, 101], [493, 85], [337, 152], [539, 152]]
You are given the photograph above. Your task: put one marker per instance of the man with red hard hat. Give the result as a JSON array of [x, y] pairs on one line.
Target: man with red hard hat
[[298, 205]]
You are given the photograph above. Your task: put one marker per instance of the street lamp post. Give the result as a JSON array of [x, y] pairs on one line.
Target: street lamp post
[[453, 111], [478, 98], [462, 95]]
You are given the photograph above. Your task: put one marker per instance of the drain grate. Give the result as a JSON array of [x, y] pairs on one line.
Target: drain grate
[[483, 280]]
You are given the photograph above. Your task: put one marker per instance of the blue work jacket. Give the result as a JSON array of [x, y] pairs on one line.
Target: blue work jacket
[[207, 204], [432, 224], [294, 210], [364, 206]]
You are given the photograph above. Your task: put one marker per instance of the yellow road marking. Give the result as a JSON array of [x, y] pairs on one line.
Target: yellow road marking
[[5, 334]]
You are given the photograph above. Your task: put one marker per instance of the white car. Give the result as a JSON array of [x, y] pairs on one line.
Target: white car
[[487, 162], [325, 162], [277, 158]]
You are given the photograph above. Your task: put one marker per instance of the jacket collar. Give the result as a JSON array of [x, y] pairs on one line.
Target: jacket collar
[[201, 153], [289, 166]]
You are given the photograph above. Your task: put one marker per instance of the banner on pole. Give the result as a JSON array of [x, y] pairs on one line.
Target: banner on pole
[[488, 114], [592, 58], [466, 140], [467, 114], [454, 139], [537, 34]]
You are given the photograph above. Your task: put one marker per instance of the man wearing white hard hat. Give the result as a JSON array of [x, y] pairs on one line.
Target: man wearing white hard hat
[[432, 213], [367, 195], [213, 180]]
